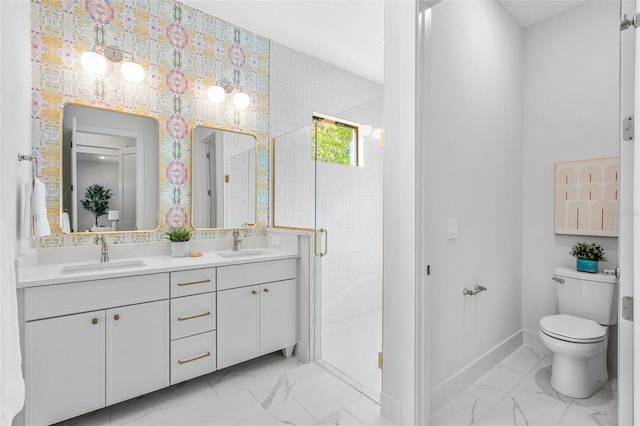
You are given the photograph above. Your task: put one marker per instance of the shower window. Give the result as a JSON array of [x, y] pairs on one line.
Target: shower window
[[334, 141]]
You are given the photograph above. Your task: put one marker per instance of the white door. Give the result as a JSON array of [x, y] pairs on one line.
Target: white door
[[237, 325], [137, 350], [64, 367], [277, 316], [74, 176], [129, 220], [629, 240]]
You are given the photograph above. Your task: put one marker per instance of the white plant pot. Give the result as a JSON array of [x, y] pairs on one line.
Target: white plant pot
[[179, 249]]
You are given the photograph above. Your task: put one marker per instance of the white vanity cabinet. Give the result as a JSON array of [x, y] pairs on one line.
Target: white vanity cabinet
[[78, 362], [193, 323], [256, 310]]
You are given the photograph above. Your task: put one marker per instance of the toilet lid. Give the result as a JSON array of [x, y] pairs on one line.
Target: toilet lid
[[573, 329]]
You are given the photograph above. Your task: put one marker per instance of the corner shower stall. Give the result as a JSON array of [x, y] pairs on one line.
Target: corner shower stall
[[342, 205]]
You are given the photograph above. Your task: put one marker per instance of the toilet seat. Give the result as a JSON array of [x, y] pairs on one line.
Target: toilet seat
[[573, 329]]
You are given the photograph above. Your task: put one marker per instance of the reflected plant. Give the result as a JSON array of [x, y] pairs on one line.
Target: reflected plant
[[96, 200]]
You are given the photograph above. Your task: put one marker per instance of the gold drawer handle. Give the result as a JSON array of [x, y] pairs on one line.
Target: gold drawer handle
[[194, 282], [194, 316], [254, 292], [116, 317], [94, 321], [194, 359], [266, 290]]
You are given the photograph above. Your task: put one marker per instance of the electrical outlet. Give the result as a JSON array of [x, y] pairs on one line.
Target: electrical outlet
[[452, 229], [275, 241]]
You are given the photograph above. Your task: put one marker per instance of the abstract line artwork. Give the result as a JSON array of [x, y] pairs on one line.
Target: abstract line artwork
[[586, 197]]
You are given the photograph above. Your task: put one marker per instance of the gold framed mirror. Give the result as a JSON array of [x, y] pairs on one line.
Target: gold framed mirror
[[223, 165], [109, 171]]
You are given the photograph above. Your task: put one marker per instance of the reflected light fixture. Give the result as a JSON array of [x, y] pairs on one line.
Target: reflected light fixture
[[218, 93], [95, 61], [377, 133], [366, 130]]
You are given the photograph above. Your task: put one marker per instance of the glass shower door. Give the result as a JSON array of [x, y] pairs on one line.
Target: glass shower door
[[348, 223], [341, 203]]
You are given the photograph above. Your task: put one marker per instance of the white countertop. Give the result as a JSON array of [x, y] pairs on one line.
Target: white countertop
[[41, 275]]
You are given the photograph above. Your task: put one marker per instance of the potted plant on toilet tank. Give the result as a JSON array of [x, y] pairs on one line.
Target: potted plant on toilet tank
[[587, 256], [179, 238]]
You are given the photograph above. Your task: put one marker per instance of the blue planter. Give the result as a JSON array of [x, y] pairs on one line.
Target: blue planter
[[587, 265]]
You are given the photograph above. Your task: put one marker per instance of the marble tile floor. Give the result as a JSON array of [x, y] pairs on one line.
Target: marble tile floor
[[517, 392], [270, 390]]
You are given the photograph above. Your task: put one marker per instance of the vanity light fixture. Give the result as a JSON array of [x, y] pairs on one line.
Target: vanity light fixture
[[241, 100], [95, 61], [218, 93]]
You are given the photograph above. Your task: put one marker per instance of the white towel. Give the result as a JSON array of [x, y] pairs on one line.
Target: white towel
[[35, 223], [65, 225], [11, 381]]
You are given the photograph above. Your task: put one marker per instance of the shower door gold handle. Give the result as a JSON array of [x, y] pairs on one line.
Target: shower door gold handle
[[326, 242]]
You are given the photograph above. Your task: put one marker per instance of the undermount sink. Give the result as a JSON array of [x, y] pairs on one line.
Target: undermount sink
[[240, 253], [88, 267]]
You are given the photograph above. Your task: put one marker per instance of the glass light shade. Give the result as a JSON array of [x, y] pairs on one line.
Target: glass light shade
[[241, 100], [132, 71], [366, 130], [216, 94], [93, 62], [377, 133]]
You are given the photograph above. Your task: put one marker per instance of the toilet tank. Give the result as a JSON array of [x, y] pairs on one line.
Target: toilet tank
[[585, 295]]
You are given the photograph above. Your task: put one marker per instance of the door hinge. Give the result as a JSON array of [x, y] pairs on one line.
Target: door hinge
[[71, 188], [627, 22], [380, 360], [628, 128], [627, 308]]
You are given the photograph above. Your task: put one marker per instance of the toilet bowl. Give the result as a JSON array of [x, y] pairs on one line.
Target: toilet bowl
[[578, 335], [579, 366]]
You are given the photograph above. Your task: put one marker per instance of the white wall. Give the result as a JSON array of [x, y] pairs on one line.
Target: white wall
[[348, 199], [399, 301], [15, 119], [473, 174], [571, 113]]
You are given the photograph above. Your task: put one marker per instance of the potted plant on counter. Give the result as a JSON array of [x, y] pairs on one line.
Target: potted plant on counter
[[587, 256], [179, 238]]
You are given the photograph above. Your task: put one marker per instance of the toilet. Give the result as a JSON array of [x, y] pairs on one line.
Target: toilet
[[577, 336]]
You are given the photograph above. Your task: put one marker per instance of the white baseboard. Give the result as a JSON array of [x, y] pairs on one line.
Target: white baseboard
[[532, 340], [457, 383], [390, 408]]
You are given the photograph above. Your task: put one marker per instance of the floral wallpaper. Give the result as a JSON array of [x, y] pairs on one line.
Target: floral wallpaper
[[183, 51]]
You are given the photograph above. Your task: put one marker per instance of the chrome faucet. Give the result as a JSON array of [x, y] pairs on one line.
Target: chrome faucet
[[104, 248], [236, 240]]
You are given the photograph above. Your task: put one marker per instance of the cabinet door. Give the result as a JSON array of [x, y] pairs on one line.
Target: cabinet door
[[237, 325], [277, 316], [137, 350], [64, 367]]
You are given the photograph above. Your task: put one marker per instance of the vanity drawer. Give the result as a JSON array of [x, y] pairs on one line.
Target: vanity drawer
[[255, 273], [194, 281], [64, 299], [193, 356], [193, 315]]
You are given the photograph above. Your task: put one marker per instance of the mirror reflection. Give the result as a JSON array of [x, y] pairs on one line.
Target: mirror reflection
[[110, 166], [223, 178]]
